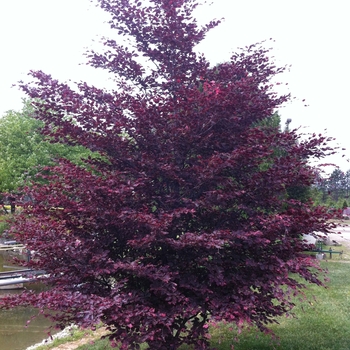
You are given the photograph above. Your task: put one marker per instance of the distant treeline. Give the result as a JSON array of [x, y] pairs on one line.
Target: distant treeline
[[333, 190]]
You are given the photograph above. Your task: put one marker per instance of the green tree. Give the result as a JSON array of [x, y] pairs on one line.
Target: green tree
[[336, 184], [24, 150], [272, 125]]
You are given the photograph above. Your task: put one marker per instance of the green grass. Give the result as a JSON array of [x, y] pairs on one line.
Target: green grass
[[336, 256], [3, 224], [102, 344], [320, 323], [75, 334]]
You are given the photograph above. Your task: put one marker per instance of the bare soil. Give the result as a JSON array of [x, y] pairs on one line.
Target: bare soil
[[88, 339]]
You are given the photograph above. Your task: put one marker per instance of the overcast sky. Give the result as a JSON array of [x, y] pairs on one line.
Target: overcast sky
[[311, 36]]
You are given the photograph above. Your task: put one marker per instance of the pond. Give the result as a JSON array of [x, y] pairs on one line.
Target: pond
[[14, 332]]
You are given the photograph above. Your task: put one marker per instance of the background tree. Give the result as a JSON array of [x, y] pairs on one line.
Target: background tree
[[335, 184], [24, 150], [332, 190], [186, 217], [346, 184]]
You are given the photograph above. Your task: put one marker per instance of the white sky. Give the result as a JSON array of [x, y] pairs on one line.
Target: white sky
[[311, 36]]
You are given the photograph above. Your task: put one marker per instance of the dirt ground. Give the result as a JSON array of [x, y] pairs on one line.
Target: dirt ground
[[340, 236], [88, 339]]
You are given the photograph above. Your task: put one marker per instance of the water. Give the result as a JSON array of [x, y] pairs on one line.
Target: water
[[15, 334]]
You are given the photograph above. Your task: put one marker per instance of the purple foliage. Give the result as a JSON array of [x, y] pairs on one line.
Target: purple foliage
[[186, 217]]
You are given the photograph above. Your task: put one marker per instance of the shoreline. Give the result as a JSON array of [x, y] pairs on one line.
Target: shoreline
[[71, 342], [65, 333]]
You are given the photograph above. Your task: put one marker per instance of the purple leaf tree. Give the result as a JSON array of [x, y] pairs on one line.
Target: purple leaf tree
[[188, 216]]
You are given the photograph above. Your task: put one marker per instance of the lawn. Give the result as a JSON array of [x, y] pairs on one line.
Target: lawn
[[320, 323]]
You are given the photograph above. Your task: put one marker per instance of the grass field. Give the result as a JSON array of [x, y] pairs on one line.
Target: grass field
[[320, 323]]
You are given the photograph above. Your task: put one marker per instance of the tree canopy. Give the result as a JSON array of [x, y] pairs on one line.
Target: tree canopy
[[186, 217], [24, 151], [333, 189]]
